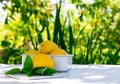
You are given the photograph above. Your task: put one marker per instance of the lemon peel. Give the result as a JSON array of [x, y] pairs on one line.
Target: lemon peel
[[58, 51], [46, 47], [42, 60]]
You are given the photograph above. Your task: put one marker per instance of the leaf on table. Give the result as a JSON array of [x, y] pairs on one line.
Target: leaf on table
[[44, 71], [39, 70], [30, 73], [28, 64], [49, 71], [13, 71]]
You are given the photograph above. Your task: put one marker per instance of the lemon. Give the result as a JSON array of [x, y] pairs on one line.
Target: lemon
[[32, 52], [42, 60], [58, 51], [46, 47]]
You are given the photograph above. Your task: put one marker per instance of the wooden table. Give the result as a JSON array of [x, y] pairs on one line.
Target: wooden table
[[79, 74]]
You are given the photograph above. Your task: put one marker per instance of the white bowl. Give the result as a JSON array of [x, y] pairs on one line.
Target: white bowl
[[62, 62]]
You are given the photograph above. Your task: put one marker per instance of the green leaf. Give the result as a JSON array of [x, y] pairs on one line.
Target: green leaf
[[28, 64], [29, 73], [74, 1], [5, 43], [39, 70], [81, 17], [44, 71], [49, 71], [13, 71]]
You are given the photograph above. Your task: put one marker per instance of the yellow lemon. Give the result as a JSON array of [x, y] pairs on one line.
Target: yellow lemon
[[58, 51], [32, 52], [42, 60], [46, 47]]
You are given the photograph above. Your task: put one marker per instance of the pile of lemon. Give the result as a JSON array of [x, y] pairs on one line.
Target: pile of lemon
[[41, 57]]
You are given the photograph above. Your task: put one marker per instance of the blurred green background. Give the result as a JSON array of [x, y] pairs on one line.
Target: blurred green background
[[88, 29]]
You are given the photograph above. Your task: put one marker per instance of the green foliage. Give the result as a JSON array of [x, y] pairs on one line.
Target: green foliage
[[10, 55], [99, 47], [90, 31], [58, 33], [5, 43]]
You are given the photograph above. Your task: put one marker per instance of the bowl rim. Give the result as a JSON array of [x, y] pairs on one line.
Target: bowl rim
[[52, 55], [67, 55]]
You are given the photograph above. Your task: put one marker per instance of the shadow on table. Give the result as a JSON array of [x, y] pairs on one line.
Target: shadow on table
[[97, 75]]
